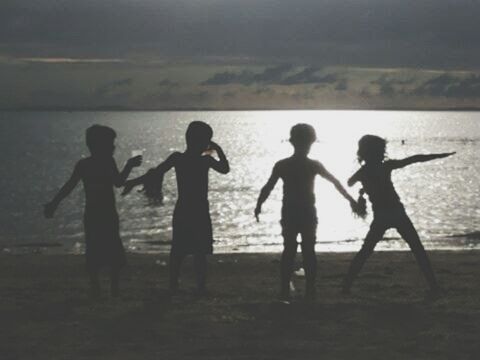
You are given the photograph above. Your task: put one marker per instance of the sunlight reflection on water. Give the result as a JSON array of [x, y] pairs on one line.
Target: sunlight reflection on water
[[440, 196]]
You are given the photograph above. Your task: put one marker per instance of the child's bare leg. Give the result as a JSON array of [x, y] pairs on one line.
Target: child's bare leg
[[114, 276], [374, 235], [286, 264], [309, 263], [94, 284], [200, 264], [176, 260], [410, 235]]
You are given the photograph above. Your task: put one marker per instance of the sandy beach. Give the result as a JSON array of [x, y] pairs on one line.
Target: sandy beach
[[45, 312]]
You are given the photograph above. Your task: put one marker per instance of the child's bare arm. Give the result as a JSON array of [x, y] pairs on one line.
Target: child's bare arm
[[122, 176], [329, 177], [354, 178], [222, 166], [158, 171], [65, 190], [266, 190], [397, 164]]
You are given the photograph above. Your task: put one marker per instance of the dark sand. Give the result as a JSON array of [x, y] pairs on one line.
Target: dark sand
[[45, 313]]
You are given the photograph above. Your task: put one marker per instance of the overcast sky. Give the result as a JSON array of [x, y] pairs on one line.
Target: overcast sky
[[152, 54]]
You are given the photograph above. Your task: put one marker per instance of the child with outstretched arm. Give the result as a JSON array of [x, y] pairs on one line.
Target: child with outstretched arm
[[99, 175], [299, 215], [192, 226], [388, 210]]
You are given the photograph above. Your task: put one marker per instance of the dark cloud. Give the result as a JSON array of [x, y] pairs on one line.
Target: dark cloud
[[390, 86], [277, 75], [342, 85], [408, 33], [365, 93], [67, 52], [322, 81], [451, 86], [271, 75], [386, 85], [310, 76], [244, 78]]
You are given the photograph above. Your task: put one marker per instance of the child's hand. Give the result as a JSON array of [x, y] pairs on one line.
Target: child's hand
[[257, 212], [444, 155], [214, 146], [49, 210], [127, 187], [359, 208], [135, 161], [354, 206]]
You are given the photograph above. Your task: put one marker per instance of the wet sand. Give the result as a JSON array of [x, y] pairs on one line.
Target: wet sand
[[45, 312]]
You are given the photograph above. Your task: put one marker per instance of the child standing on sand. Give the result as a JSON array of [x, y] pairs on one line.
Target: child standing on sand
[[192, 227], [299, 215], [388, 210], [99, 174]]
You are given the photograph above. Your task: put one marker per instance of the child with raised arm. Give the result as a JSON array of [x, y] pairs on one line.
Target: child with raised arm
[[388, 210], [99, 175], [192, 227], [299, 215]]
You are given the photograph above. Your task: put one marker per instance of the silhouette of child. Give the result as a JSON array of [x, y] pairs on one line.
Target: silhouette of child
[[99, 174], [192, 227], [388, 210], [299, 215]]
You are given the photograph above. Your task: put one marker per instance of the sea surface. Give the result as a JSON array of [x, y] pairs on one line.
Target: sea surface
[[40, 149]]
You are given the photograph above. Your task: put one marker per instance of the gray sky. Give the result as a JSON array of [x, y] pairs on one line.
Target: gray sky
[[239, 54]]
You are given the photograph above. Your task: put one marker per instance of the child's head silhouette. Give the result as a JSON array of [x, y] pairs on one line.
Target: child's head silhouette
[[302, 136], [100, 140], [371, 148], [198, 136]]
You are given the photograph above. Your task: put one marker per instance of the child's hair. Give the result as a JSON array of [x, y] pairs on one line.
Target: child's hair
[[371, 148], [302, 134], [152, 188], [199, 134], [100, 139]]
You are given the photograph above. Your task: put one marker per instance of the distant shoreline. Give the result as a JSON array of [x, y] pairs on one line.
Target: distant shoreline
[[57, 248]]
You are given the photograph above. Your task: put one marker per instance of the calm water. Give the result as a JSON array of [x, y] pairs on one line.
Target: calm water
[[39, 150]]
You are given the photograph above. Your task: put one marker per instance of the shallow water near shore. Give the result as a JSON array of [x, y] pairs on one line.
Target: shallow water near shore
[[39, 150]]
